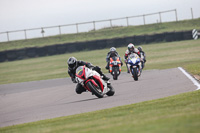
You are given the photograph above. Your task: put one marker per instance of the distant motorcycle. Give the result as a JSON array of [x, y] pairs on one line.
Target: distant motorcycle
[[134, 65], [92, 81], [115, 67]]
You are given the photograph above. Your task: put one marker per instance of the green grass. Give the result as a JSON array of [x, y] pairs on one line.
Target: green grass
[[159, 56], [175, 114], [103, 34]]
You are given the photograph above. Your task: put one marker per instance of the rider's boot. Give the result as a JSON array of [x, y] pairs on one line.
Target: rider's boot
[[127, 69], [107, 66], [105, 77]]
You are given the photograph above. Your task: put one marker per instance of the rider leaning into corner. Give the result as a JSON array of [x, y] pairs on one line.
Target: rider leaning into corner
[[73, 64], [131, 49], [112, 53]]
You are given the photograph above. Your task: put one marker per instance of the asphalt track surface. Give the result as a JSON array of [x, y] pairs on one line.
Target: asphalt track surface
[[39, 100]]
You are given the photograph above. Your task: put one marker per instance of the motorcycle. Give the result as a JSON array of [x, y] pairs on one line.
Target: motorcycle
[[93, 82], [115, 67], [134, 65]]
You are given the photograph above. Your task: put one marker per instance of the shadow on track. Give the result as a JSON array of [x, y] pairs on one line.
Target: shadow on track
[[79, 101]]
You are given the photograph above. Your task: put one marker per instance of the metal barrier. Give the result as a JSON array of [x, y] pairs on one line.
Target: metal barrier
[[40, 32]]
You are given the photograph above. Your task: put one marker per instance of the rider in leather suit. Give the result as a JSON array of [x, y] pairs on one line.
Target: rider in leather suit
[[110, 54], [131, 49], [73, 64]]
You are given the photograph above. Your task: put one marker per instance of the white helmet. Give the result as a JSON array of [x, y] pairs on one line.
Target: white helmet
[[113, 49], [131, 47]]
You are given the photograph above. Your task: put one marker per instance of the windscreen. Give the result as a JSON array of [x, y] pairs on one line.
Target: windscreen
[[132, 56], [79, 71]]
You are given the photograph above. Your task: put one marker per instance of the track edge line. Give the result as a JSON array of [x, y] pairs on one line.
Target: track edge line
[[190, 77]]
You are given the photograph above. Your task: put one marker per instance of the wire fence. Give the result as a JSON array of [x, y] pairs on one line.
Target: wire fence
[[88, 26]]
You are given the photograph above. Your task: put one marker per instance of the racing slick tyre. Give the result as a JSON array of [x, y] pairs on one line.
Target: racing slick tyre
[[111, 92], [135, 74], [115, 76], [96, 90]]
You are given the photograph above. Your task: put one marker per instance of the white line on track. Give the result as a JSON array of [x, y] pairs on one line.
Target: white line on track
[[190, 77]]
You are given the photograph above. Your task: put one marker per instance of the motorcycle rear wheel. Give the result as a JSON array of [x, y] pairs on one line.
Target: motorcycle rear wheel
[[95, 90], [111, 92]]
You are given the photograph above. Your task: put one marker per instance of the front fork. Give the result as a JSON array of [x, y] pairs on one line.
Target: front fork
[[140, 68]]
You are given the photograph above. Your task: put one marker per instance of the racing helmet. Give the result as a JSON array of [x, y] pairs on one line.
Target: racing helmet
[[72, 61], [140, 48], [131, 47], [113, 49]]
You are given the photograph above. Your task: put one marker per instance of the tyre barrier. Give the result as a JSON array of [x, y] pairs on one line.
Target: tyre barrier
[[25, 53], [31, 52], [141, 39]]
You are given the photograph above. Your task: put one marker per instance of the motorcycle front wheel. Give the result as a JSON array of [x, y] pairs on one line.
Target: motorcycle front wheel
[[115, 76], [134, 73], [96, 90]]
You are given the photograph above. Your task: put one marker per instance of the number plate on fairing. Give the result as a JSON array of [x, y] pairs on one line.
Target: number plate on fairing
[[114, 62]]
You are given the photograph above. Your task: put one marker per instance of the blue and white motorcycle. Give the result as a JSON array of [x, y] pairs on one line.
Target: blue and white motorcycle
[[134, 65]]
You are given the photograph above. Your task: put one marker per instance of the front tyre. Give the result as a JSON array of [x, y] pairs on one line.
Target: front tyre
[[111, 92], [115, 76], [96, 90], [134, 73]]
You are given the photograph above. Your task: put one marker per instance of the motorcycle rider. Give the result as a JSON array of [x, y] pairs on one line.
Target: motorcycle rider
[[144, 55], [110, 54], [73, 64], [131, 49]]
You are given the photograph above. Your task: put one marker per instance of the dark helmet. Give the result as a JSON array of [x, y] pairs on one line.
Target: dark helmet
[[72, 61], [140, 48], [131, 47]]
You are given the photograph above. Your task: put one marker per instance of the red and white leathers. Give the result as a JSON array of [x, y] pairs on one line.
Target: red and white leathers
[[127, 53], [131, 49]]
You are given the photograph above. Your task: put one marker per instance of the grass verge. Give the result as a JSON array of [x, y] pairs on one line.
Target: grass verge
[[173, 114], [159, 56]]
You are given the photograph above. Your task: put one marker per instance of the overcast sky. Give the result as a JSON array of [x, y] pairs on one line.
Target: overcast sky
[[26, 14]]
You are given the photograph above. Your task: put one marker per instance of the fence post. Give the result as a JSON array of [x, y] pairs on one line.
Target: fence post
[[77, 28], [8, 36], [160, 17], [94, 25], [127, 21], [59, 29], [25, 34], [176, 15], [111, 23], [42, 31], [144, 19], [192, 13]]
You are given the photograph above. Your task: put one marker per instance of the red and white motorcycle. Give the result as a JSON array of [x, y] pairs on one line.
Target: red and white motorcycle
[[93, 82]]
